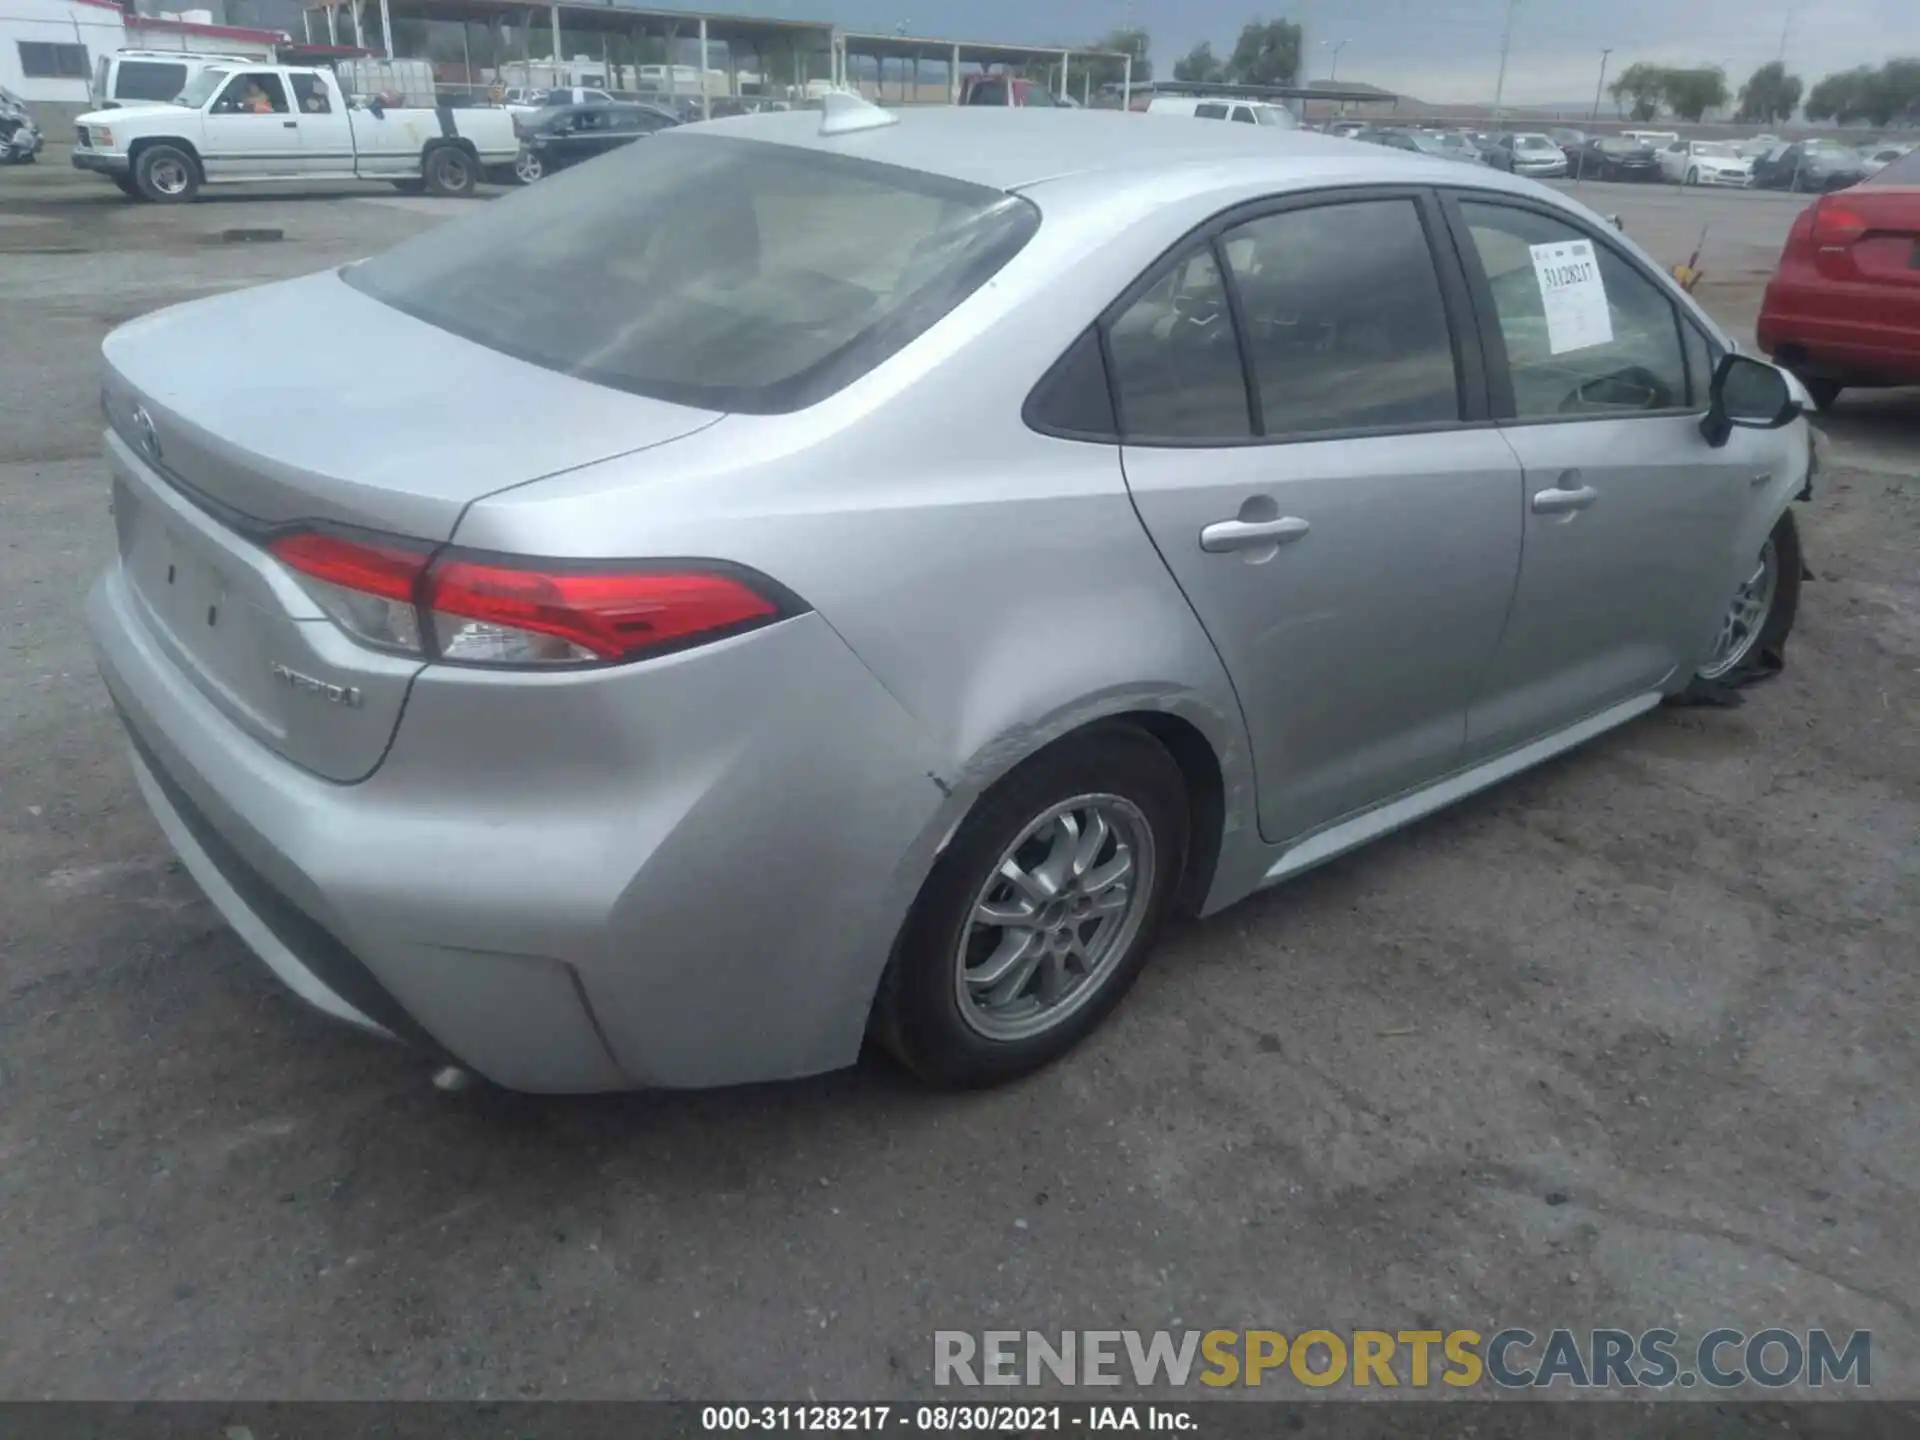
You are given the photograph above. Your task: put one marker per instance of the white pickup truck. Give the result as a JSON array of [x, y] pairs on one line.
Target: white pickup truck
[[245, 123]]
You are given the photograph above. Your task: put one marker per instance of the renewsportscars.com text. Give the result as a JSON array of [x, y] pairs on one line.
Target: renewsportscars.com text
[[1510, 1359]]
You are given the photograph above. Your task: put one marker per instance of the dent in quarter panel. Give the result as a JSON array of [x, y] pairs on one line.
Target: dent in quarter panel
[[721, 843]]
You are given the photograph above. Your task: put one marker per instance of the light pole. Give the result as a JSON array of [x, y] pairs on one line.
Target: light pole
[[1506, 44], [1333, 64], [1785, 26], [1600, 84]]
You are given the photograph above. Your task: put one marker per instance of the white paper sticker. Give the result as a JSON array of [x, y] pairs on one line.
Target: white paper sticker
[[1575, 296]]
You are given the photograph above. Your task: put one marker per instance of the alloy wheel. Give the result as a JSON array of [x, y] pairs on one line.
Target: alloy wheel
[[1741, 626], [527, 167], [1055, 918]]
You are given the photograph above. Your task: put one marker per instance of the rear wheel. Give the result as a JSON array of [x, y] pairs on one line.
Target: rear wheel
[[1761, 616], [528, 167], [451, 172], [1040, 913], [166, 174]]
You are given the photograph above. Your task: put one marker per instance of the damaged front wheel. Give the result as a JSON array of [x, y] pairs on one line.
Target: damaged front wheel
[[1753, 633]]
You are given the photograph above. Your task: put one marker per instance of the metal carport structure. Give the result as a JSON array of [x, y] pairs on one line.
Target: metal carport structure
[[853, 45], [346, 20]]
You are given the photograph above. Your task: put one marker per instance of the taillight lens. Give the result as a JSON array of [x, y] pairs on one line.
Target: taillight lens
[[366, 584], [498, 613], [1835, 224], [473, 609]]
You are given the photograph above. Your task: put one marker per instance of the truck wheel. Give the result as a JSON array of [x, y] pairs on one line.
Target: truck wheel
[[166, 174], [451, 171]]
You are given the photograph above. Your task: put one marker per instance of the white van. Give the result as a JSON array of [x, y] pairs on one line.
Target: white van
[[1247, 112], [149, 77]]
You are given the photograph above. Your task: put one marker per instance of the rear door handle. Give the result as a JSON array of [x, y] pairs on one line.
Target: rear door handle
[[1226, 535], [1563, 502]]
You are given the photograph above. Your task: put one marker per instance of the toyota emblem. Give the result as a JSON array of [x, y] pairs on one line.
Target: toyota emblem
[[144, 434]]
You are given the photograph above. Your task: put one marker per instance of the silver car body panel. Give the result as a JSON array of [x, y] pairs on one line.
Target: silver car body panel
[[691, 870]]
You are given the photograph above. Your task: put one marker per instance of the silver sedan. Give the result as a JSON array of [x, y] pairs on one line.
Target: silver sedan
[[822, 575]]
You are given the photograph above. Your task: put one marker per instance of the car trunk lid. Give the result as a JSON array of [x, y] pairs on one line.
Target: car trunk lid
[[231, 419]]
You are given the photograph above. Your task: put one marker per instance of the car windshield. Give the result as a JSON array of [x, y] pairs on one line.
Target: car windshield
[[201, 88], [1715, 150], [712, 271]]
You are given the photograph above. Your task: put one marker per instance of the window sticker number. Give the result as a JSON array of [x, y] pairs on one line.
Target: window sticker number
[[1573, 294]]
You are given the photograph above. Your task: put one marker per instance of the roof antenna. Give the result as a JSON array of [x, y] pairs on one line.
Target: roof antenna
[[845, 111]]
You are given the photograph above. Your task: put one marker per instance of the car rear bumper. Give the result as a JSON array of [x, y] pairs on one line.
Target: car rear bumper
[[682, 873], [101, 164], [1815, 344]]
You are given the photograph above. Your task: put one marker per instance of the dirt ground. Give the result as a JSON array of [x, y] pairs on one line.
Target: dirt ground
[[1629, 1041]]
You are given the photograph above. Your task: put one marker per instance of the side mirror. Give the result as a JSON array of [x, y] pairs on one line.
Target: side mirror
[[1748, 394]]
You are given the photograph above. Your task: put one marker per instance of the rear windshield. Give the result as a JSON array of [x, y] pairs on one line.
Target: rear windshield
[[710, 271]]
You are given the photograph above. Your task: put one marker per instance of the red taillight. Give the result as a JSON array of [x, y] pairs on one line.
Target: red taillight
[[495, 610], [1835, 224], [611, 614], [389, 569]]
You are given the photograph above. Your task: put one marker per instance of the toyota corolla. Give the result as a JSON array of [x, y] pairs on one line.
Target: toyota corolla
[[841, 574]]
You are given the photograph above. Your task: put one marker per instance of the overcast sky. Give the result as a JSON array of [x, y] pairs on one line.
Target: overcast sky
[[1443, 50]]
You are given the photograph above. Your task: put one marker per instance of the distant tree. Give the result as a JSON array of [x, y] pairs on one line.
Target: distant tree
[[1267, 53], [1842, 97], [1199, 64], [1110, 72], [1691, 93], [1770, 95], [1639, 90]]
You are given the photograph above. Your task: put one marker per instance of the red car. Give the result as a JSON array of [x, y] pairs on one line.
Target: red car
[[1843, 307]]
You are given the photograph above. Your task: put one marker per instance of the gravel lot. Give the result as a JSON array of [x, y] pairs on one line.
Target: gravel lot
[[1668, 981]]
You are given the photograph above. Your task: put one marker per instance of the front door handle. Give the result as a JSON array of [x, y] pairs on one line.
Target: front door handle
[[1563, 502], [1226, 535], [290, 124]]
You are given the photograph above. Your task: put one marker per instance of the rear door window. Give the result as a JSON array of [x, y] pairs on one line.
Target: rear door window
[[1176, 358], [1244, 115], [1345, 326], [149, 80], [1210, 112]]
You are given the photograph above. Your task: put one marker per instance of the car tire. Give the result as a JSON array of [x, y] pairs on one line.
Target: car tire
[[409, 187], [1693, 177], [528, 168], [450, 172], [1823, 392], [1763, 619], [1112, 782], [167, 175]]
